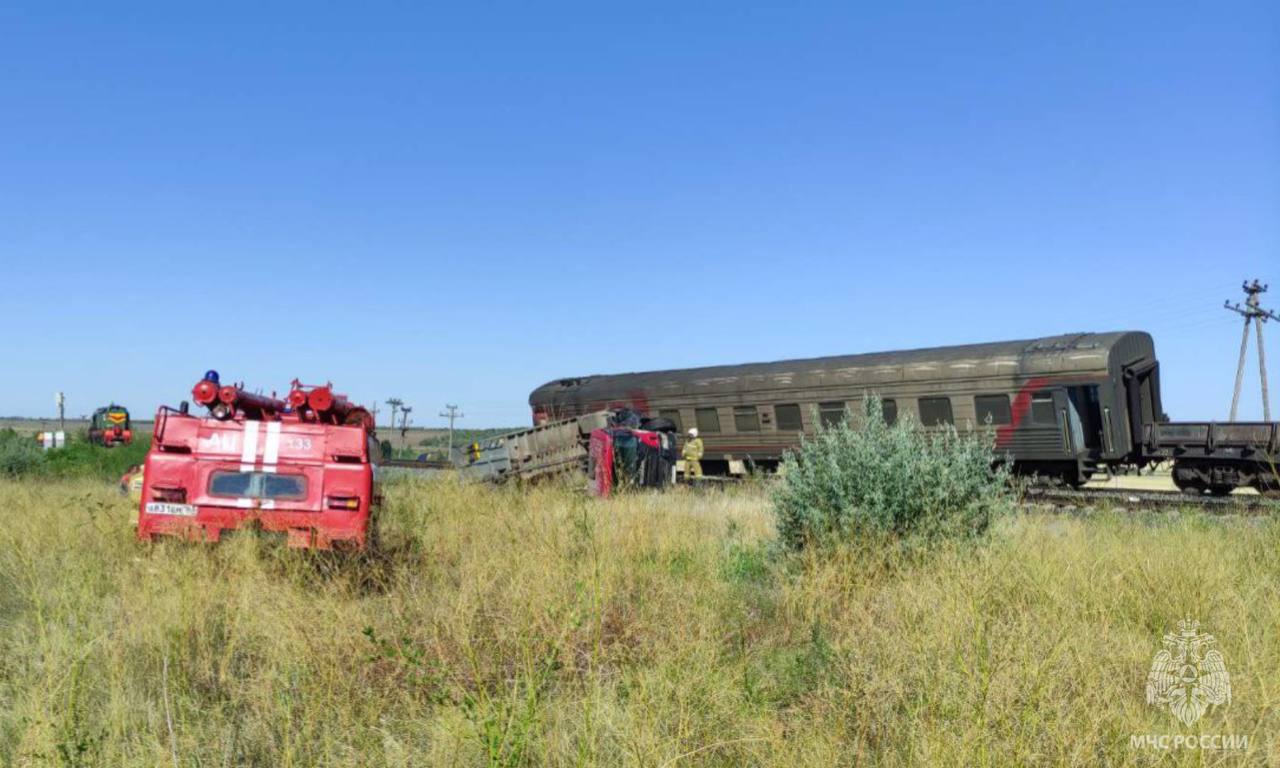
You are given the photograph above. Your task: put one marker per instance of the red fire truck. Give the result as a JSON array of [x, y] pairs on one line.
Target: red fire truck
[[303, 467]]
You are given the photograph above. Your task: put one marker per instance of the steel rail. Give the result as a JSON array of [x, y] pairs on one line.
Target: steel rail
[[1148, 499]]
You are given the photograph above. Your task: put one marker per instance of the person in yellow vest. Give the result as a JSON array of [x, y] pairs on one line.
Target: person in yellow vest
[[693, 451]]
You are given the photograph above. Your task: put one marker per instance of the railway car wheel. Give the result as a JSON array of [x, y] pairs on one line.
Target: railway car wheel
[[1221, 490]]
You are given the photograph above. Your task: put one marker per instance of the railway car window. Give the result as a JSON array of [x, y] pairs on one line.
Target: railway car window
[[788, 417], [993, 409], [889, 409], [746, 418], [708, 420], [831, 413], [673, 417], [935, 411], [1042, 410]]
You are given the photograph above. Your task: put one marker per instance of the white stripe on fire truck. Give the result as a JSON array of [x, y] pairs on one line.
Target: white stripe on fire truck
[[271, 453], [250, 453], [245, 503]]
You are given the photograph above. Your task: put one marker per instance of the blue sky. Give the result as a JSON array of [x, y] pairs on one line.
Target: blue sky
[[456, 203]]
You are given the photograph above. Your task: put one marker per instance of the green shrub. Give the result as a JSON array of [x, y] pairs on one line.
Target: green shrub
[[19, 454], [900, 481], [80, 458], [22, 456]]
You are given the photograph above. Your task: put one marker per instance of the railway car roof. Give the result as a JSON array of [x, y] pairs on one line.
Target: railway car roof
[[1068, 352]]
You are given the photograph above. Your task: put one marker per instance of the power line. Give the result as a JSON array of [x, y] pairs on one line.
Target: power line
[[1254, 314]]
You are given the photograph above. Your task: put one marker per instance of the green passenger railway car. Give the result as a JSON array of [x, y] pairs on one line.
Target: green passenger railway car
[[1063, 406]]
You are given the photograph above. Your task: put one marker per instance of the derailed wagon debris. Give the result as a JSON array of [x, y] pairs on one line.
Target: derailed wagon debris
[[611, 448]]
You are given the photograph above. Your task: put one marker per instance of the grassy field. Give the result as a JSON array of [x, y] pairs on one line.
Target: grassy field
[[501, 628]]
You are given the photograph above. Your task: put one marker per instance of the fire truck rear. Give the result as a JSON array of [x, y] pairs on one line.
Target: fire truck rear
[[303, 467]]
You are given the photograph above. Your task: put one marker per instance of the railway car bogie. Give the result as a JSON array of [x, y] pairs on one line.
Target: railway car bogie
[[1220, 477]]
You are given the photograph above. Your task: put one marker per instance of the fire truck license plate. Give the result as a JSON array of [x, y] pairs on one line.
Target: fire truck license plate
[[181, 510]]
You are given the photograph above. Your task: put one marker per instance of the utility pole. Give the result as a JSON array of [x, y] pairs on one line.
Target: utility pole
[[395, 403], [61, 400], [404, 424], [1254, 314], [452, 414]]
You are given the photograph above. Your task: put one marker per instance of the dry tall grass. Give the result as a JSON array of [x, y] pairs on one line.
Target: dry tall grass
[[502, 628]]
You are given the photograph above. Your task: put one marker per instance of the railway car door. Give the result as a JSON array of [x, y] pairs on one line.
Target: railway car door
[[1142, 395], [1078, 419], [1085, 418], [1068, 422]]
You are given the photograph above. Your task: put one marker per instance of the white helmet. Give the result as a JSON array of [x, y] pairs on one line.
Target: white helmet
[[693, 432]]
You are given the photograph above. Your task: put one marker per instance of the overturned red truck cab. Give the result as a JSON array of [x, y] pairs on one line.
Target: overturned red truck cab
[[303, 467]]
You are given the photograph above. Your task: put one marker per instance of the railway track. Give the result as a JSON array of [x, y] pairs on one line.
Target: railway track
[[1062, 498]]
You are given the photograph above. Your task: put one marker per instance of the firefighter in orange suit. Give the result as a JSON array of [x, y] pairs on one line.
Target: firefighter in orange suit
[[693, 451]]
